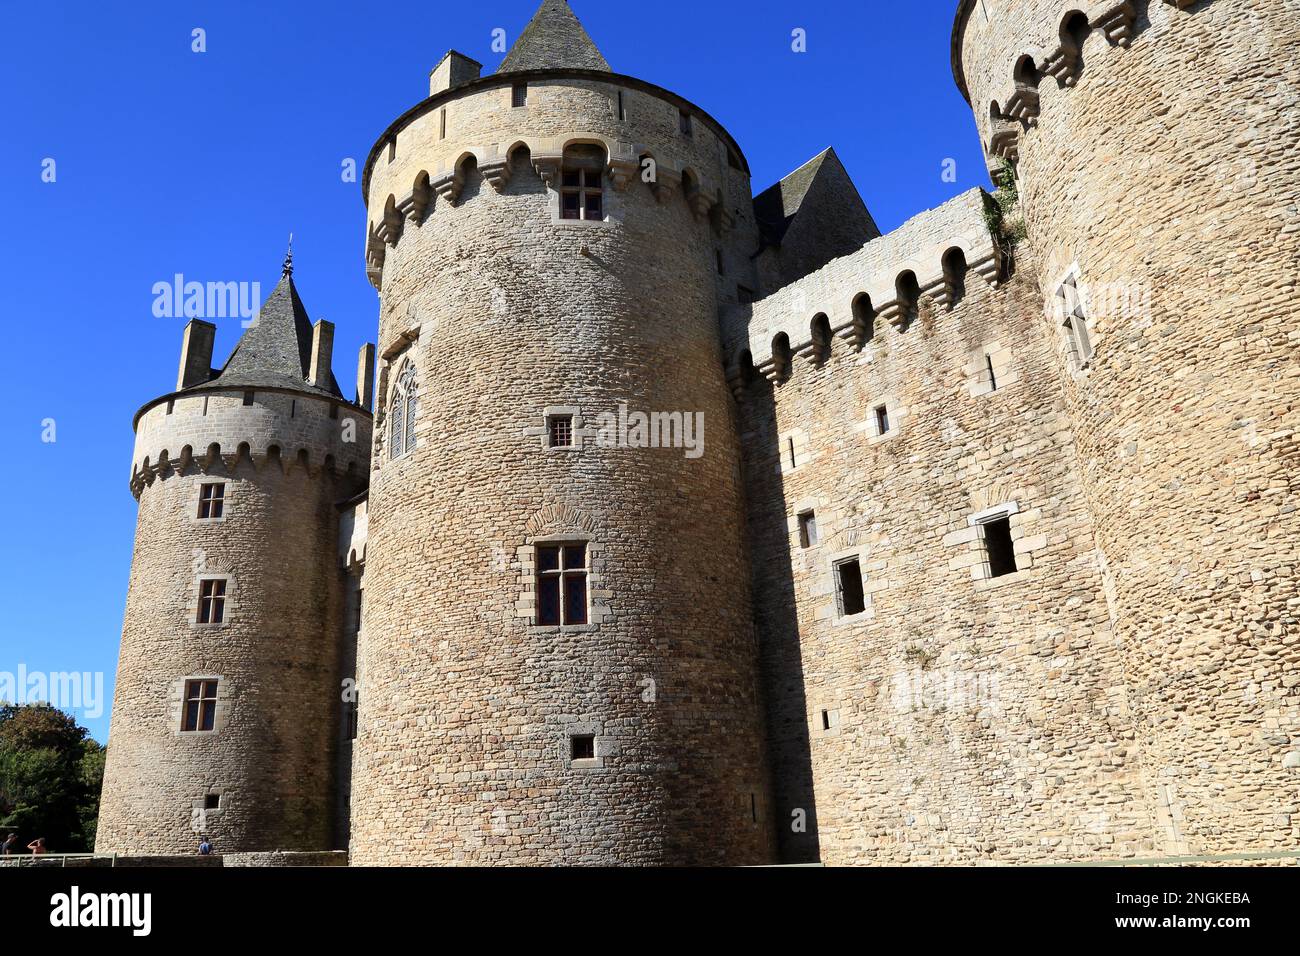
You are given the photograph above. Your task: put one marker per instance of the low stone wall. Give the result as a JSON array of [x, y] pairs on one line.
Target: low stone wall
[[287, 858], [268, 858]]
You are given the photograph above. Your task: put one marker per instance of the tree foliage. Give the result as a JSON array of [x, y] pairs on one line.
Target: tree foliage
[[50, 775]]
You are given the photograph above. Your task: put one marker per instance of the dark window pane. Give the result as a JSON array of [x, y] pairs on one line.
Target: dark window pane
[[209, 715], [594, 207], [218, 507], [1001, 550], [851, 596], [548, 559], [573, 178], [191, 715], [575, 599], [575, 556], [582, 746], [548, 600], [210, 688]]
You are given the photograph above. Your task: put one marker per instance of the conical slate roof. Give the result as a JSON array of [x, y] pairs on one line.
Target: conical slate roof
[[275, 350], [553, 40]]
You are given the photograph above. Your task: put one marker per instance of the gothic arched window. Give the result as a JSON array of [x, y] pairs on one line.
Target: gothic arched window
[[401, 412]]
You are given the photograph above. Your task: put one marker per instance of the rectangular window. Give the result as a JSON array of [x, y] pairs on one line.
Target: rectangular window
[[200, 705], [519, 95], [826, 720], [684, 122], [580, 195], [622, 113], [212, 801], [582, 747], [993, 378], [561, 584], [442, 124], [248, 397], [560, 430], [722, 269], [334, 411], [1074, 323], [882, 419], [171, 406], [392, 149], [212, 601], [848, 587], [212, 500], [354, 708], [808, 529], [789, 448], [999, 550]]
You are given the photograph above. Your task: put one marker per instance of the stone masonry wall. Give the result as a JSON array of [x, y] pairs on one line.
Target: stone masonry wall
[[1162, 170]]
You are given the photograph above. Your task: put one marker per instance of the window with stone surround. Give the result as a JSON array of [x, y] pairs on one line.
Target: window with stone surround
[[212, 801], [880, 419], [402, 408], [212, 500], [999, 549], [212, 601], [582, 183], [808, 529], [684, 123], [849, 594], [561, 571], [559, 431], [200, 710], [582, 747], [519, 95]]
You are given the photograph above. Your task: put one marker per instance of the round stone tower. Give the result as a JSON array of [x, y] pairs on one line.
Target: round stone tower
[[227, 706], [1157, 144], [557, 661]]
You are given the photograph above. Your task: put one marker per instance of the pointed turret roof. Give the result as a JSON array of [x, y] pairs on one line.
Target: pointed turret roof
[[553, 40], [275, 350]]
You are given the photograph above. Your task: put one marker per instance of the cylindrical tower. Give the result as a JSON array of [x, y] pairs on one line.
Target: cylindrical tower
[[227, 706], [1158, 154], [558, 662]]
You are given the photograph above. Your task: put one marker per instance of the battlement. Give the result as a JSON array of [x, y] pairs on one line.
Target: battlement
[[215, 431], [1001, 53], [925, 258]]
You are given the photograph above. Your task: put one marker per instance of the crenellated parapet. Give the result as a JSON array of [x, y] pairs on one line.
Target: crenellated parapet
[[217, 432], [1002, 51], [853, 298]]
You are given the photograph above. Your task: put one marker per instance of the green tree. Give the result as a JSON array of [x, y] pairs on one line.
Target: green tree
[[50, 775]]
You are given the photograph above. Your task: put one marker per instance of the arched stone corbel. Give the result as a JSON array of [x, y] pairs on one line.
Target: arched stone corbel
[[721, 220], [1005, 140], [1023, 105], [701, 204], [418, 202], [894, 312], [989, 268], [1117, 20], [548, 167], [497, 173], [449, 185], [666, 183], [940, 292], [623, 169]]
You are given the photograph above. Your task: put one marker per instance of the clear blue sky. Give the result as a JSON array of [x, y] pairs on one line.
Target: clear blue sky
[[201, 163]]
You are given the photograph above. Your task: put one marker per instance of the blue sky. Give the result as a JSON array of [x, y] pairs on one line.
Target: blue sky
[[170, 161]]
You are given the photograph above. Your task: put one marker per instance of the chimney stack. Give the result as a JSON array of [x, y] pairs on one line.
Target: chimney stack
[[454, 69], [366, 377], [196, 353], [322, 354]]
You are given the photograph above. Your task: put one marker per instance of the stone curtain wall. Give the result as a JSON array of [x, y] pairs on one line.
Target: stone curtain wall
[[277, 654], [1168, 171], [466, 706]]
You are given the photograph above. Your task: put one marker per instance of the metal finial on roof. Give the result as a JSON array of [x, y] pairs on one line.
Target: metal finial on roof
[[288, 258]]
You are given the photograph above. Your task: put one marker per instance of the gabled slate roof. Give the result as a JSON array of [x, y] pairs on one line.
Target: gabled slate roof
[[776, 206], [553, 39]]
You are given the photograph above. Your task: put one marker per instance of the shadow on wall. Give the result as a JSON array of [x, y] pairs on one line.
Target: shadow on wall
[[775, 618]]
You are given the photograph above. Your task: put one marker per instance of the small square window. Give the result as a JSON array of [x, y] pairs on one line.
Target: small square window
[[808, 529], [519, 95], [559, 429], [999, 549], [848, 587], [248, 397], [212, 801], [582, 747], [881, 413], [212, 500]]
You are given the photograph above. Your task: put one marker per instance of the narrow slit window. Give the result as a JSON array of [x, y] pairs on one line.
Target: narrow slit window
[[200, 706], [560, 431], [1074, 324], [561, 584], [882, 419], [622, 112], [684, 123], [993, 378], [392, 149], [789, 448], [826, 720], [582, 747], [848, 587], [212, 601], [722, 268], [442, 124], [999, 550], [212, 500], [808, 529], [248, 397]]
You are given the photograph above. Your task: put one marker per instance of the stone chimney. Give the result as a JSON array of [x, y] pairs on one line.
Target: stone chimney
[[454, 69], [322, 354], [196, 353], [366, 376]]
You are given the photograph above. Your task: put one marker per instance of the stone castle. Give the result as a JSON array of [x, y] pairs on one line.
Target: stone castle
[[700, 527]]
